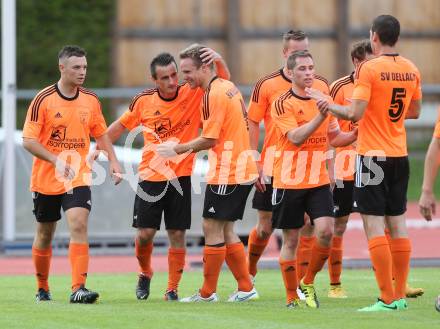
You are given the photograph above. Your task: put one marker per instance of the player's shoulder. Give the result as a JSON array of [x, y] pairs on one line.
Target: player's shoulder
[[265, 82], [89, 93], [45, 92], [321, 78], [366, 65], [220, 87], [409, 63], [268, 78], [144, 95], [338, 84], [284, 101]]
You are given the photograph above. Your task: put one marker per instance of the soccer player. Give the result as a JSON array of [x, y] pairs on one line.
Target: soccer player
[[231, 175], [432, 164], [343, 170], [387, 91], [57, 130], [301, 181], [267, 90], [168, 111]]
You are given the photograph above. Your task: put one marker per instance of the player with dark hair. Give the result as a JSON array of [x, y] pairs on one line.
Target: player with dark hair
[[168, 111], [387, 91], [57, 130]]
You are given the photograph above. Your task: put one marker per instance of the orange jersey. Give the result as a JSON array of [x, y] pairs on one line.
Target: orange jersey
[[341, 91], [63, 126], [437, 126], [304, 166], [162, 119], [265, 92], [224, 119], [388, 83]]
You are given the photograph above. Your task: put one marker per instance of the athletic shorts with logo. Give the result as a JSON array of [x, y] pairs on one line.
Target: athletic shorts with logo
[[226, 202], [381, 184], [263, 200], [47, 208], [156, 198], [290, 205], [343, 198]]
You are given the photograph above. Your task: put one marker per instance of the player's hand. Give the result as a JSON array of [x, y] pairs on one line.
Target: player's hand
[[355, 132], [427, 205], [316, 94], [167, 149], [209, 56], [260, 183], [64, 169], [323, 106], [115, 171]]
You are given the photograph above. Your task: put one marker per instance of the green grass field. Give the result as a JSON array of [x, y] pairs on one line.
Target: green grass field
[[118, 307]]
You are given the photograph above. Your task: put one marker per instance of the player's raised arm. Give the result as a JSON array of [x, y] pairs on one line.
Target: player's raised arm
[[209, 56]]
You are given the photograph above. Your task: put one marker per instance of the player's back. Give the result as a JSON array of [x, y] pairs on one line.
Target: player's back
[[224, 118], [388, 83]]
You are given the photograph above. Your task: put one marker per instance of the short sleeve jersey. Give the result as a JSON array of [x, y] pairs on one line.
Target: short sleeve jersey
[[63, 126], [163, 119], [388, 83], [224, 119], [341, 91], [265, 92], [304, 166]]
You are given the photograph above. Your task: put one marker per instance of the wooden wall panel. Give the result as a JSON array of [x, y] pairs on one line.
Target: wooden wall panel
[[171, 13], [324, 55], [262, 57], [425, 54], [412, 14], [298, 14], [134, 57]]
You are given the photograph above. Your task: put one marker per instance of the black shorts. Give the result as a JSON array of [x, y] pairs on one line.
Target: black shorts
[[47, 208], [263, 200], [226, 202], [154, 198], [290, 205], [381, 186], [343, 198]]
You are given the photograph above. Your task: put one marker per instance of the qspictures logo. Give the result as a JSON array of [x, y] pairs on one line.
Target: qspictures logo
[[59, 140]]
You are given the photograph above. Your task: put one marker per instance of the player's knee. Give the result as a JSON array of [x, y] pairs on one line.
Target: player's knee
[[290, 243], [325, 234], [177, 238], [44, 237], [264, 233], [145, 236], [209, 227], [79, 228], [264, 228], [340, 228]]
